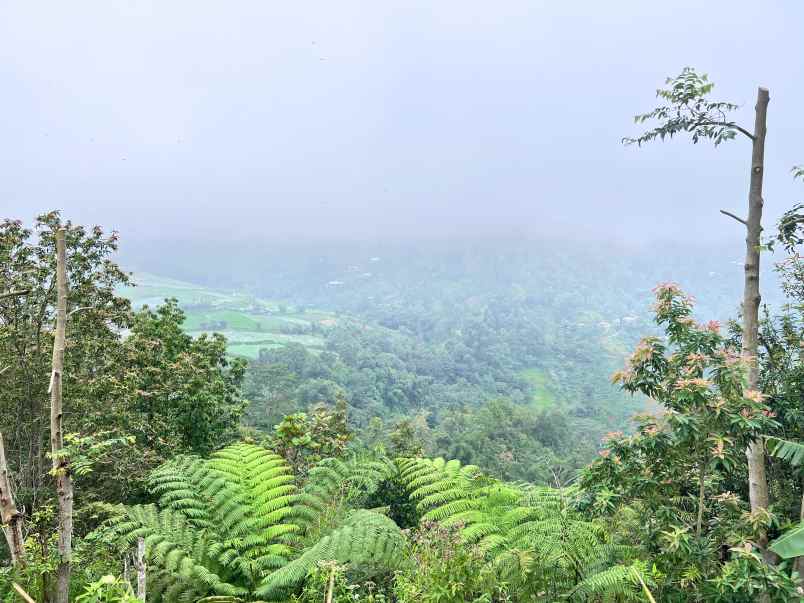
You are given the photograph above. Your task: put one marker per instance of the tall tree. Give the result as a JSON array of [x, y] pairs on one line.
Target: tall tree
[[28, 263], [689, 110], [61, 468]]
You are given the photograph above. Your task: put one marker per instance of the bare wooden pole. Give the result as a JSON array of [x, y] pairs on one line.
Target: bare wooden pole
[[757, 480], [141, 567], [330, 584], [61, 468], [10, 517]]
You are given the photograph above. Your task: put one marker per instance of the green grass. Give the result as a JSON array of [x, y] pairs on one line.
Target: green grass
[[240, 320], [234, 320], [542, 398]]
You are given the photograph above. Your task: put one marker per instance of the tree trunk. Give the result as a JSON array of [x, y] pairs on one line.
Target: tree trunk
[[10, 517], [757, 481], [61, 469]]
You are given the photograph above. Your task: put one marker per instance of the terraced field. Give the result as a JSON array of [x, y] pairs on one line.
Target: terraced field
[[249, 323]]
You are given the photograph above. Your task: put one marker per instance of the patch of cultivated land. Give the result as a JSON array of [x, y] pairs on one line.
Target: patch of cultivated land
[[249, 323], [542, 397]]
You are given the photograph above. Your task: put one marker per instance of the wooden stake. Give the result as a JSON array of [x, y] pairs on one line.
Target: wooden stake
[[141, 566], [331, 585], [21, 592]]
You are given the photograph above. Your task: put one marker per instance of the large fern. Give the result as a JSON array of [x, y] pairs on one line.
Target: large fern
[[232, 525], [181, 564], [235, 527], [528, 533]]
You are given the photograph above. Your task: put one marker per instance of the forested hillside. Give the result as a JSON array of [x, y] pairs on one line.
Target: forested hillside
[[447, 340]]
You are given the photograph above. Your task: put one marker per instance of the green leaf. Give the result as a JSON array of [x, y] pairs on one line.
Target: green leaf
[[792, 452], [791, 544]]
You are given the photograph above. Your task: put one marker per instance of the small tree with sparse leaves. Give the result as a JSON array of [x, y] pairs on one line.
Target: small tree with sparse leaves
[[672, 472]]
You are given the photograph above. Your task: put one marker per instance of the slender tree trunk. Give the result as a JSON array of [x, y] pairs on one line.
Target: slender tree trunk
[[61, 468], [701, 500], [10, 517], [757, 480]]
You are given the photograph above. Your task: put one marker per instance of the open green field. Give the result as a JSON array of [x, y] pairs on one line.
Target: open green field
[[542, 396], [249, 323], [152, 290]]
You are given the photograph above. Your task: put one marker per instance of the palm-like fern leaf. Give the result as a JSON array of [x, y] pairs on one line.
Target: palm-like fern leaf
[[352, 480], [367, 540], [615, 583]]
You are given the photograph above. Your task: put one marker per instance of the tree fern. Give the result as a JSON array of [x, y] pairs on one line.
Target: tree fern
[[528, 533], [180, 564], [228, 527]]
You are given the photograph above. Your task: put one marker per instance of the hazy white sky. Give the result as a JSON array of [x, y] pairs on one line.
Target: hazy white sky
[[379, 118]]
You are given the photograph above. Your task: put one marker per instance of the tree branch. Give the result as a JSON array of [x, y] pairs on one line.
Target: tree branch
[[726, 124], [731, 215], [78, 310]]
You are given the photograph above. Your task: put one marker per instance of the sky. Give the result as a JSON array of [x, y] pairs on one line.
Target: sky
[[306, 121]]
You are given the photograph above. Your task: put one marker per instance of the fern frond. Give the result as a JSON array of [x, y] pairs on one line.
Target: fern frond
[[616, 582], [367, 540]]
